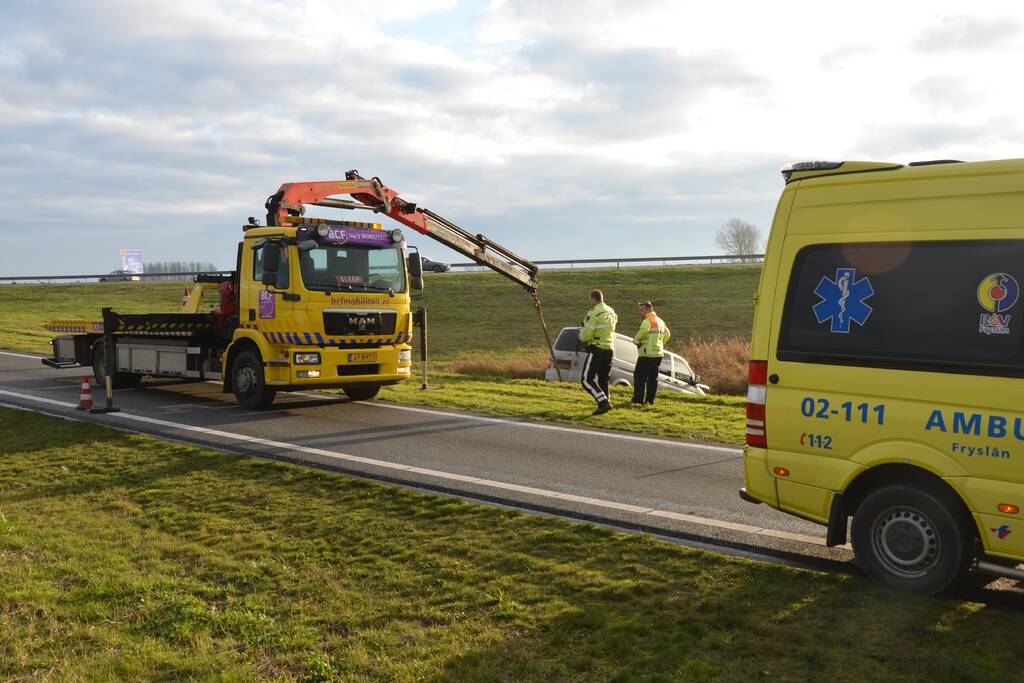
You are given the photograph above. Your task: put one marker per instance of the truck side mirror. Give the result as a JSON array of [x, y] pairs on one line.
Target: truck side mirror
[[271, 263], [415, 265], [271, 258]]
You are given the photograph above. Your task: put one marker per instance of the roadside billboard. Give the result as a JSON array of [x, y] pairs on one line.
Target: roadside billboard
[[131, 260]]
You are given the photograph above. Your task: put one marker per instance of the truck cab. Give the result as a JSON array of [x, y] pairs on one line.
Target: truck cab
[[321, 306]]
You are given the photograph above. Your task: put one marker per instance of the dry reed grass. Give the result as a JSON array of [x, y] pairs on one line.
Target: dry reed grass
[[524, 364], [721, 363]]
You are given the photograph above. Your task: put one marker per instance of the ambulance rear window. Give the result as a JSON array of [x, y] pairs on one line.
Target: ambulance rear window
[[951, 306]]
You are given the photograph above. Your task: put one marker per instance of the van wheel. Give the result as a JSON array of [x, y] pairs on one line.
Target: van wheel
[[360, 393], [912, 539], [122, 380], [248, 382]]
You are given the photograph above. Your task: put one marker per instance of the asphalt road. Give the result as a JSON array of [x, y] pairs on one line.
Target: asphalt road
[[684, 490]]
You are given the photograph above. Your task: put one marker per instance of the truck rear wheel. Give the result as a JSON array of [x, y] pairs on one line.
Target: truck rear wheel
[[360, 393], [122, 380], [249, 382], [913, 539]]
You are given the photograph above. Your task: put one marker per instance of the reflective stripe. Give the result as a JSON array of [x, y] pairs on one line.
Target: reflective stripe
[[595, 391]]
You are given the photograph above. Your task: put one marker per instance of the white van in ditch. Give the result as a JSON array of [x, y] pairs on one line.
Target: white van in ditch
[[675, 372]]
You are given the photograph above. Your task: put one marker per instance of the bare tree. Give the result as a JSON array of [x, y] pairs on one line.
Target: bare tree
[[738, 238]]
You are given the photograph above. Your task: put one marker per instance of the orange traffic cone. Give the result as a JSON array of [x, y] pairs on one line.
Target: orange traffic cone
[[85, 398], [184, 299]]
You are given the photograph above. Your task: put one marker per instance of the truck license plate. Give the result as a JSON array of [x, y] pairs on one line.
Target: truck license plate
[[363, 357]]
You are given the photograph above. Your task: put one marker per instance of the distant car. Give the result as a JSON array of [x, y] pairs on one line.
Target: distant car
[[435, 266], [675, 374], [120, 276]]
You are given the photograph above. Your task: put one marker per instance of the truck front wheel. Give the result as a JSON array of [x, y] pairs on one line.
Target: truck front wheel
[[249, 383], [360, 393], [913, 539]]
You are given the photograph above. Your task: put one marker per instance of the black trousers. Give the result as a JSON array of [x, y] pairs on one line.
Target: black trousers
[[645, 379], [595, 373]]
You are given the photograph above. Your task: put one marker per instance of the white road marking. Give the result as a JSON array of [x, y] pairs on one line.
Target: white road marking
[[507, 422], [21, 355], [440, 474], [557, 428]]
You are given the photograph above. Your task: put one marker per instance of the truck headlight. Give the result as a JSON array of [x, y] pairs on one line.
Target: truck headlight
[[307, 374], [308, 358], [405, 355]]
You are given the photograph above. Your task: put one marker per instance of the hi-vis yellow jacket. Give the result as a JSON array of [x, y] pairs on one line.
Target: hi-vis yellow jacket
[[599, 326], [652, 336]]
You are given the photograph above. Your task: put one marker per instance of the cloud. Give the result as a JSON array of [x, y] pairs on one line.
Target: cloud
[[630, 92], [965, 32], [844, 56], [947, 92], [553, 127], [942, 139]]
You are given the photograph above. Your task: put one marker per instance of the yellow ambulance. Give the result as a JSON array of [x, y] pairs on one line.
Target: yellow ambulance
[[887, 366]]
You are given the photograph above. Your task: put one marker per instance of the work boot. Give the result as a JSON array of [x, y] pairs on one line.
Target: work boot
[[602, 408]]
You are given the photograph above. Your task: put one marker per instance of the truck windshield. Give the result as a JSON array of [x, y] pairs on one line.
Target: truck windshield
[[353, 269]]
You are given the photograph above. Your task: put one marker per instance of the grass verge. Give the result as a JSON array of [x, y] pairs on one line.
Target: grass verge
[[497, 344], [469, 312], [699, 418], [127, 558], [26, 308]]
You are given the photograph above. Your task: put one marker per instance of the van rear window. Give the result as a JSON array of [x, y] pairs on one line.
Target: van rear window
[[938, 306], [568, 340]]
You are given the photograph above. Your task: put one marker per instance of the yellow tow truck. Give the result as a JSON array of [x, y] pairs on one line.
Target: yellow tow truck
[[312, 303]]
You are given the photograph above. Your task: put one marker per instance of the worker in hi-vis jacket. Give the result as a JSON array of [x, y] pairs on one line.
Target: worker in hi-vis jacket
[[598, 334], [650, 341]]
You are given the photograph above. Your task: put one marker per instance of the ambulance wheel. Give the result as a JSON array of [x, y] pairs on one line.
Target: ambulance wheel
[[912, 539], [249, 383], [360, 393], [122, 380]]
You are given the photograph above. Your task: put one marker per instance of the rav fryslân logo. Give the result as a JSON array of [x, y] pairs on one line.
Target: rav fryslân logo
[[842, 300], [1002, 531], [997, 294]]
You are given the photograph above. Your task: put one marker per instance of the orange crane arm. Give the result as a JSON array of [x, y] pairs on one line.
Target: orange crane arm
[[287, 206]]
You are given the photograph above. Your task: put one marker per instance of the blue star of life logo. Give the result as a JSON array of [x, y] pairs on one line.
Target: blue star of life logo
[[842, 300]]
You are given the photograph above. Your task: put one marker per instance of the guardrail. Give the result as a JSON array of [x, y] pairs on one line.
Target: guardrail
[[108, 277], [655, 260], [571, 263]]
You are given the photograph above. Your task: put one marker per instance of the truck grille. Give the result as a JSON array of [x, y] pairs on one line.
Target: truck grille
[[359, 323]]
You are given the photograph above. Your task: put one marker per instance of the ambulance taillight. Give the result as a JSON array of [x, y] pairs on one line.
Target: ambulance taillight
[[757, 390]]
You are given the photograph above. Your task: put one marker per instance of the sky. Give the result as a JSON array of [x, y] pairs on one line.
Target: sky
[[560, 129]]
